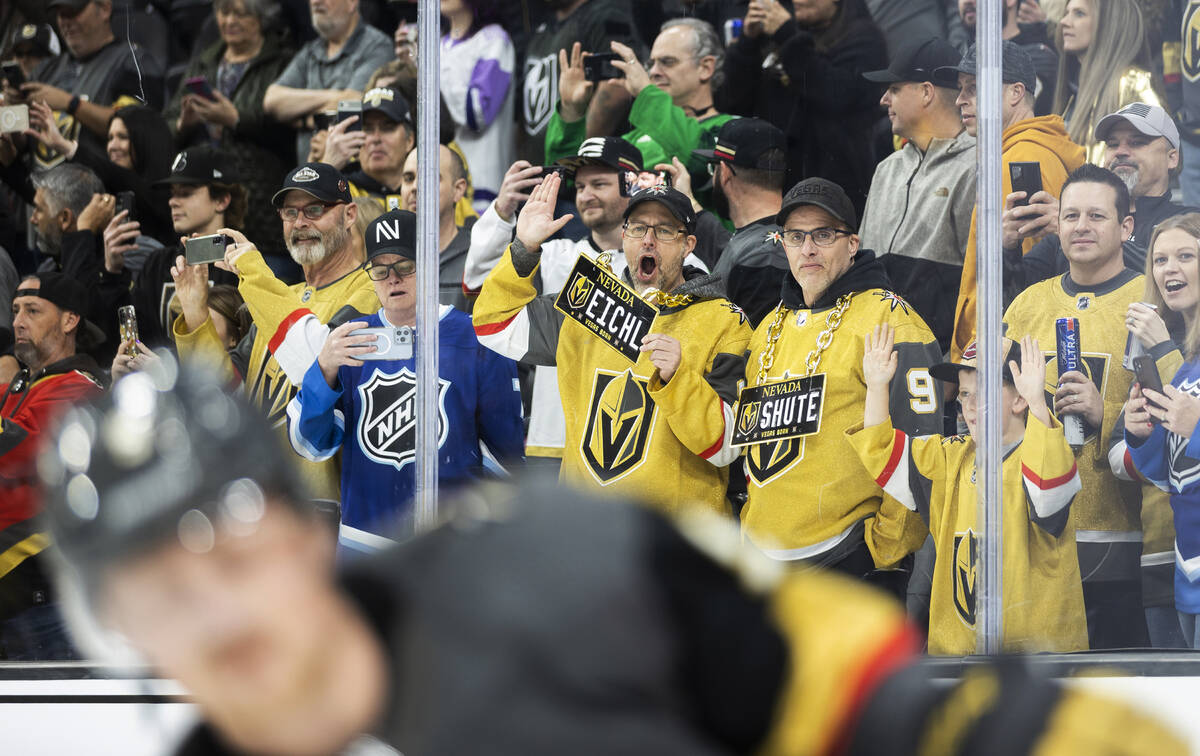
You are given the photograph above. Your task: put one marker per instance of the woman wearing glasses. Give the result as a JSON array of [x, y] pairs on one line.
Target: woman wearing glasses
[[359, 397]]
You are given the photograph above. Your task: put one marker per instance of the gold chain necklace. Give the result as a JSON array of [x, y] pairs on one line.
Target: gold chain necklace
[[655, 297], [766, 357]]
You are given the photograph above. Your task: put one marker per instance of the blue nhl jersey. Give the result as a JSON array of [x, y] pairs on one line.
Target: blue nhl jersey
[[370, 416], [1172, 463]]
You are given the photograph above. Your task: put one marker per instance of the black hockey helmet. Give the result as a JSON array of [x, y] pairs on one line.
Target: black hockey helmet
[[168, 455]]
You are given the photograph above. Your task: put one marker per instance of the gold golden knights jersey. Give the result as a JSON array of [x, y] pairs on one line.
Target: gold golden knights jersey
[[1107, 512], [274, 349], [1042, 590], [626, 431], [808, 495]]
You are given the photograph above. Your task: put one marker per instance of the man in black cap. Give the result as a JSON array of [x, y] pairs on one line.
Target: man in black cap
[[87, 81], [362, 406], [806, 505], [48, 321], [205, 198], [378, 141], [33, 44], [918, 211], [747, 166], [318, 215], [659, 427], [603, 172]]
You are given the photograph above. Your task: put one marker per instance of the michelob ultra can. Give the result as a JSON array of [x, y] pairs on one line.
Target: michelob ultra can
[[1066, 334]]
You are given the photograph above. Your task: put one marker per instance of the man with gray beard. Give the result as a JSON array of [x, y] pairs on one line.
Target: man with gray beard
[[1143, 150], [318, 215]]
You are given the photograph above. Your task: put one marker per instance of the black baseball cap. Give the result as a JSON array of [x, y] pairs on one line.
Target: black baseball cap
[[1015, 63], [73, 5], [37, 36], [201, 165], [388, 101], [744, 142], [393, 233], [921, 62], [321, 180], [948, 371], [822, 193], [676, 203], [609, 152], [66, 294]]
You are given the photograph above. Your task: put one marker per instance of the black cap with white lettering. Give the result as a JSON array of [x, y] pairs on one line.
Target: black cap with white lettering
[[393, 233], [610, 152], [321, 180]]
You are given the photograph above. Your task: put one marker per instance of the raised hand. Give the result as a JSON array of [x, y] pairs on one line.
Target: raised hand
[[519, 177], [342, 146], [879, 357], [44, 128], [1077, 395], [240, 246], [119, 237], [1029, 378], [97, 214], [636, 77], [191, 287], [1039, 217], [537, 223], [574, 90]]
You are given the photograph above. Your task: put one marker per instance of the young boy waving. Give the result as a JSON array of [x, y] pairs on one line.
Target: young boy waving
[[935, 477]]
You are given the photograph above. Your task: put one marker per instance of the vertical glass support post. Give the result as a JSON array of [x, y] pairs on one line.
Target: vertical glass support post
[[425, 494], [989, 286]]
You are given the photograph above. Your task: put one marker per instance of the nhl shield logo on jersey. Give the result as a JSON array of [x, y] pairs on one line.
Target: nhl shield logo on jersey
[[387, 425], [620, 423], [1084, 302], [963, 572], [579, 291], [770, 459]]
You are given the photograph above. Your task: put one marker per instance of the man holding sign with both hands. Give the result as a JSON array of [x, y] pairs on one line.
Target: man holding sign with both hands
[[648, 398]]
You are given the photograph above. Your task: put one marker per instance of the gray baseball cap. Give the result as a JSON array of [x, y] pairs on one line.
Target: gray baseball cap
[[1151, 120]]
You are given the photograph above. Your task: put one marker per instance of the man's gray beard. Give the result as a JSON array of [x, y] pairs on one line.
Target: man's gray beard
[[1129, 179], [47, 246], [327, 26], [330, 242], [28, 354]]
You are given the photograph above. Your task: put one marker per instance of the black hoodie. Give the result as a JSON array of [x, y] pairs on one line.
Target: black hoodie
[[866, 272]]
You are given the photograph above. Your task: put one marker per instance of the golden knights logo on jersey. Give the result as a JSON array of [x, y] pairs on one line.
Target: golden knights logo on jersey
[[1095, 367], [272, 390], [963, 571], [620, 423], [387, 424], [1190, 47], [769, 459]]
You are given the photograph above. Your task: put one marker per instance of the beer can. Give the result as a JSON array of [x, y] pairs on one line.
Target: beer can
[[1133, 347], [1066, 336]]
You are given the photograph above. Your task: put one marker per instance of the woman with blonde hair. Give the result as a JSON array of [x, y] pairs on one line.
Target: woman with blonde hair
[[1103, 65], [1160, 436]]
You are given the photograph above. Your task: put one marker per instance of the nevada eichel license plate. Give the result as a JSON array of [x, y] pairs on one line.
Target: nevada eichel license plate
[[604, 305], [785, 409]]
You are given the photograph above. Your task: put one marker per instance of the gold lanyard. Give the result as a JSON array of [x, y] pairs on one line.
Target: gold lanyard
[[654, 297], [766, 357]]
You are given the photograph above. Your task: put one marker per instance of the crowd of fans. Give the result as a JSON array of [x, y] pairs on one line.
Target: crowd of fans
[[790, 184]]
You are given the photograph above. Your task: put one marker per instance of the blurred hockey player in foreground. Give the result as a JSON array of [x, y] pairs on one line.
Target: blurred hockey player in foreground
[[543, 622]]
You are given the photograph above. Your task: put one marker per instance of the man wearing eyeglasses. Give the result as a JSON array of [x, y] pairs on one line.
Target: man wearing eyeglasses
[[366, 407], [673, 109], [657, 429], [318, 215], [809, 504]]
